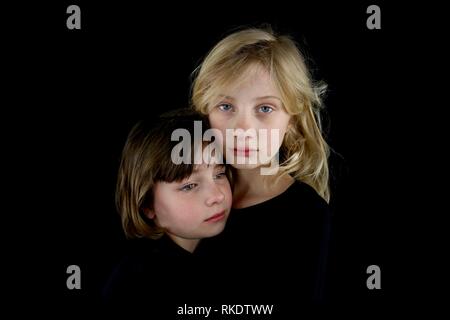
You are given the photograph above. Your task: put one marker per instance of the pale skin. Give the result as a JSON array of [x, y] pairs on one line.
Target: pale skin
[[194, 208], [255, 103]]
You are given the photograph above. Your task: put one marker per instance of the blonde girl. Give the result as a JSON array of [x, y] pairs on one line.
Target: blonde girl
[[255, 80]]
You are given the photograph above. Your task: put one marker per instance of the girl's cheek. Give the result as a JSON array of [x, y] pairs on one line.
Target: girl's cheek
[[216, 122]]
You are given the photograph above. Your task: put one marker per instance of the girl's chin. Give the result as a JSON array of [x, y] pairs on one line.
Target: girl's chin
[[245, 166], [249, 164]]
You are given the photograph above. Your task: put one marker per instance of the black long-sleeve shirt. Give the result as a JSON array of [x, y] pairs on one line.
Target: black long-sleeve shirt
[[277, 250]]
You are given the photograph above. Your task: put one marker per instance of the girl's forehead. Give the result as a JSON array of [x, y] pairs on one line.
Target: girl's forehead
[[207, 166], [254, 83]]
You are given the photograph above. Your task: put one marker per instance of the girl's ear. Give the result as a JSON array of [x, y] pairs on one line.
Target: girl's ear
[[149, 213]]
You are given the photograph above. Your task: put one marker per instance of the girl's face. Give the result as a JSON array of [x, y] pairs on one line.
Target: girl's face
[[194, 208], [255, 104]]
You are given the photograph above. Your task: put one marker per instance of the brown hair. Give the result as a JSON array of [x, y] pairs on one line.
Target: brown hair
[[146, 160]]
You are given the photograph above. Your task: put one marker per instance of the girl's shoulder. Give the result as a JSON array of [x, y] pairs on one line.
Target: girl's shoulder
[[304, 198], [140, 266], [303, 193], [131, 266]]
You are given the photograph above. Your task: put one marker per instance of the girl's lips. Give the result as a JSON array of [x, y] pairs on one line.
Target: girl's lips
[[217, 217]]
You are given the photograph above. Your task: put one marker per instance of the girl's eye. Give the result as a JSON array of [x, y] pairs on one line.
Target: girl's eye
[[188, 187], [221, 175], [225, 107], [265, 109]]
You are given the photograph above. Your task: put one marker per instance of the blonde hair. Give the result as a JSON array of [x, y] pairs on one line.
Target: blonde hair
[[146, 160], [304, 152]]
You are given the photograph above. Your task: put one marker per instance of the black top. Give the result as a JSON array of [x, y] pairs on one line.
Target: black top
[[276, 251], [153, 277], [269, 253]]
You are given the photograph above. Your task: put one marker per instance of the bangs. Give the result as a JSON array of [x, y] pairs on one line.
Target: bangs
[[159, 145], [168, 171]]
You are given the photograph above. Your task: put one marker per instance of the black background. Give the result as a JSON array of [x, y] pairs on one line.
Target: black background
[[75, 94]]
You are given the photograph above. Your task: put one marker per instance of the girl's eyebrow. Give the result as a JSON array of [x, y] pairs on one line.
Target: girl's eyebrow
[[204, 165], [197, 167], [257, 98]]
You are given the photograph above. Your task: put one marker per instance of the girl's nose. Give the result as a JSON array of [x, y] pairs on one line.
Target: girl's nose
[[243, 121], [215, 196], [244, 128]]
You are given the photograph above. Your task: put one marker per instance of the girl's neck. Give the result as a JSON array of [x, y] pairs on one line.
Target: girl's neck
[[252, 188], [186, 244]]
